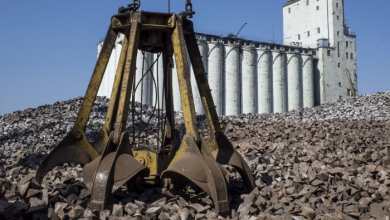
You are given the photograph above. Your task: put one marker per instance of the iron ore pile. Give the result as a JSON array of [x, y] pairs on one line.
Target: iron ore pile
[[328, 162]]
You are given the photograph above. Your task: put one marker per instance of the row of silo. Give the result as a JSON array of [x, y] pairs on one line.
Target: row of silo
[[109, 75], [216, 74], [260, 80], [250, 78], [264, 80]]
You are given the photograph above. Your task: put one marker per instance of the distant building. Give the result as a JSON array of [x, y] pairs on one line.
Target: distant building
[[315, 64], [320, 24]]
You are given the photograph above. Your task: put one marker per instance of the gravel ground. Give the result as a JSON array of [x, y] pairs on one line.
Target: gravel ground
[[327, 162]]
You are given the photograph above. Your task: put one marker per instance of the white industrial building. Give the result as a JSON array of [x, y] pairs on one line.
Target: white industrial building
[[315, 64]]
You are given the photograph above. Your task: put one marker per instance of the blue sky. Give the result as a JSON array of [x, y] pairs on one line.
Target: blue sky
[[48, 48]]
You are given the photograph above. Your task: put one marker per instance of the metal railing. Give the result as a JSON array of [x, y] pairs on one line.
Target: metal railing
[[347, 31], [224, 35]]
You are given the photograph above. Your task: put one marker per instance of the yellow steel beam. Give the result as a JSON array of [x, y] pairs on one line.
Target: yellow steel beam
[[96, 79], [128, 77], [183, 73], [203, 86], [116, 86]]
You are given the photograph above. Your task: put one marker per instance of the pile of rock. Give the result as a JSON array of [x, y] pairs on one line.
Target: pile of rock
[[328, 162]]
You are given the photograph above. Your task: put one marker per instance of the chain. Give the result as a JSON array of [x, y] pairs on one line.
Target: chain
[[188, 11], [130, 7]]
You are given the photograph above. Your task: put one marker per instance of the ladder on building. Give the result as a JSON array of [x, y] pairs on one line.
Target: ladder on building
[[353, 93]]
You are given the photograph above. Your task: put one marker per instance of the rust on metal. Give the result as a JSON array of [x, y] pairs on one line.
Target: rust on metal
[[221, 148], [75, 146], [118, 157]]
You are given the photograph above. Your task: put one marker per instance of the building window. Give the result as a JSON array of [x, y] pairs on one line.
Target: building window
[[328, 53], [338, 33], [299, 37], [351, 56], [318, 30], [346, 44], [347, 55], [307, 2], [339, 97], [318, 8], [308, 33], [337, 5], [338, 17], [339, 65], [339, 84], [289, 10], [349, 92], [338, 49]]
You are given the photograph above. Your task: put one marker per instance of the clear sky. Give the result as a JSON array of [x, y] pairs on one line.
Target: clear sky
[[48, 47]]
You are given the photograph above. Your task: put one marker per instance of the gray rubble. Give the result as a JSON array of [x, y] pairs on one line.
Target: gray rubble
[[328, 162]]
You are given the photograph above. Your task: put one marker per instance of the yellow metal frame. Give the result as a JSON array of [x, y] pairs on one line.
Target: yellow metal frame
[[112, 143]]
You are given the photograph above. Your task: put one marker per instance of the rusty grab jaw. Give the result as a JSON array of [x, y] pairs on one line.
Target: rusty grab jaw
[[199, 166], [75, 146], [218, 144], [112, 169], [111, 160]]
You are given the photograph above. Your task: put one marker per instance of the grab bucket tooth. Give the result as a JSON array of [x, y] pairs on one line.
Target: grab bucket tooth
[[74, 148], [108, 172]]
